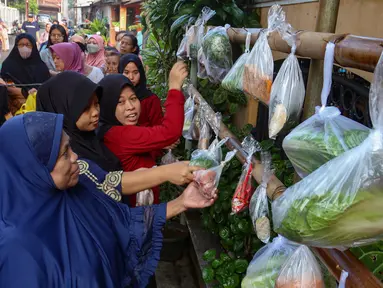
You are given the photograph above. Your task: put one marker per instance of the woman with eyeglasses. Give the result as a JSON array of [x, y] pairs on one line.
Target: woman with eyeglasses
[[57, 34], [23, 66]]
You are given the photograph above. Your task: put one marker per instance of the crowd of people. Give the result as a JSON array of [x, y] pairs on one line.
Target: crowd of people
[[80, 135]]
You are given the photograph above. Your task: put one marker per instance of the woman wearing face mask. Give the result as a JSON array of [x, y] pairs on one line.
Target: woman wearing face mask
[[118, 38], [120, 111], [70, 57], [57, 34], [23, 66], [57, 233], [96, 52]]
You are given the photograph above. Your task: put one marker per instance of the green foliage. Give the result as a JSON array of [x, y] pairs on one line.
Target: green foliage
[[97, 25], [20, 5]]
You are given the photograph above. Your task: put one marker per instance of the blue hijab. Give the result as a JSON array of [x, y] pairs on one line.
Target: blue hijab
[[73, 238]]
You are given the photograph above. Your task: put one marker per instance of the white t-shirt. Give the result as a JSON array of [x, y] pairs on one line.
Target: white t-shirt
[[96, 75]]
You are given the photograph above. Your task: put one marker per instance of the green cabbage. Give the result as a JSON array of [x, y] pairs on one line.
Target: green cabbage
[[309, 150]]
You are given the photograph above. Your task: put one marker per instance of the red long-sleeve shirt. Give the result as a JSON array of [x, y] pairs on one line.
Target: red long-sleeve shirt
[[133, 144], [151, 115]]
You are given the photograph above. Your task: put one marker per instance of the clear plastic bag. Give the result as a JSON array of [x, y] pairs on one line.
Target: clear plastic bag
[[205, 132], [288, 90], [216, 54], [301, 270], [189, 38], [267, 262], [196, 124], [208, 180], [145, 198], [168, 158], [244, 189], [259, 203], [326, 134], [233, 81], [341, 203], [188, 120], [259, 68], [208, 158], [206, 15]]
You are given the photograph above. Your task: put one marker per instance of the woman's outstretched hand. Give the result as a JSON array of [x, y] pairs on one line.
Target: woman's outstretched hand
[[192, 197], [181, 173], [177, 75], [189, 199]]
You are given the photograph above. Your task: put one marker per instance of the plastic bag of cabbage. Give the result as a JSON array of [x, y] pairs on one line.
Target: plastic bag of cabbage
[[216, 55], [326, 134], [267, 263], [341, 203], [233, 80]]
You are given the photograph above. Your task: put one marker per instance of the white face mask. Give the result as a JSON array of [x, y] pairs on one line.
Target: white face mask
[[92, 48], [25, 52]]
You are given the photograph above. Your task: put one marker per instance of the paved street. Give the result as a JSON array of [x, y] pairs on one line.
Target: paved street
[[11, 43]]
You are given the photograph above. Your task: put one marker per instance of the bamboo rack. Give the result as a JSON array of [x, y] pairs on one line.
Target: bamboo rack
[[334, 260]]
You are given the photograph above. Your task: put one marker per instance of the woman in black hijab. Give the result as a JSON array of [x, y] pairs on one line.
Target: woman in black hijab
[[151, 111], [75, 96], [70, 94], [24, 65]]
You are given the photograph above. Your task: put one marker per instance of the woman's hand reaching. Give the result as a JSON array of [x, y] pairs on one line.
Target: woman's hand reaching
[[181, 173], [177, 75]]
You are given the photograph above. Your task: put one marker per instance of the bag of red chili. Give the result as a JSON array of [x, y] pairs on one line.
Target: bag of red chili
[[244, 188]]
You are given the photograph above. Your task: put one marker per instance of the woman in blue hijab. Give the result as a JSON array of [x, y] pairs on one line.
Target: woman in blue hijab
[[57, 233]]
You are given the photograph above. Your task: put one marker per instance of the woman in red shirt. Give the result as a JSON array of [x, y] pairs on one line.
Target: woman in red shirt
[[120, 113], [151, 111]]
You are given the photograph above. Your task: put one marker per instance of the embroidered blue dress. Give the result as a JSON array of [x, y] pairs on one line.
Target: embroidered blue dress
[[78, 237]]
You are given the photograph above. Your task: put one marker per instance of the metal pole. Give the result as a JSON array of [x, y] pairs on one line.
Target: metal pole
[[327, 18]]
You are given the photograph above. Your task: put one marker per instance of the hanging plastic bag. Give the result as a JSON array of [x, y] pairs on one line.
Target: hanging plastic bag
[[217, 55], [259, 203], [259, 68], [242, 194], [341, 203], [205, 132], [145, 198], [288, 90], [267, 262], [301, 270], [233, 81], [208, 158], [189, 38], [188, 120], [326, 134], [208, 180], [169, 158], [196, 124]]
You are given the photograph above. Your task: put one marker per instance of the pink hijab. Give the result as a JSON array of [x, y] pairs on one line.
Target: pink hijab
[[71, 55], [97, 59]]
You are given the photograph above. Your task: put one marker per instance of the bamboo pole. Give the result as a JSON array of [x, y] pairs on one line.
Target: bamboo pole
[[335, 260], [350, 51]]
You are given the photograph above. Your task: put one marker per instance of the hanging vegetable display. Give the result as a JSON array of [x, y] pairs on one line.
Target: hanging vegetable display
[[341, 203], [259, 203], [168, 158], [288, 90], [215, 54], [188, 119], [301, 270], [244, 188], [324, 135], [205, 132], [233, 81], [259, 67], [267, 263], [208, 180]]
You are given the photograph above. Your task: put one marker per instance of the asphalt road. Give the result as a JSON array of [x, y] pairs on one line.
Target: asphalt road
[[4, 55]]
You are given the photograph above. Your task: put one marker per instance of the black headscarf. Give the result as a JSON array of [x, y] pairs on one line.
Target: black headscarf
[[112, 86], [141, 90], [69, 93], [25, 71]]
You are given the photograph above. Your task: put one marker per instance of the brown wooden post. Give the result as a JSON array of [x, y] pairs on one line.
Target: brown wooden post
[[122, 18], [326, 22]]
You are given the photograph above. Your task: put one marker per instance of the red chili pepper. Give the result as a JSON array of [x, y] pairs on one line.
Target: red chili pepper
[[242, 194]]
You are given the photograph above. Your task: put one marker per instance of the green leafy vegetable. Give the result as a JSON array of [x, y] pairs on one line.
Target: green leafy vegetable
[[204, 162], [208, 274], [311, 149], [233, 81], [209, 255]]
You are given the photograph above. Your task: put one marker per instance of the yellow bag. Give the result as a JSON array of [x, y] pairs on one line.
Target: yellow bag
[[29, 105]]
